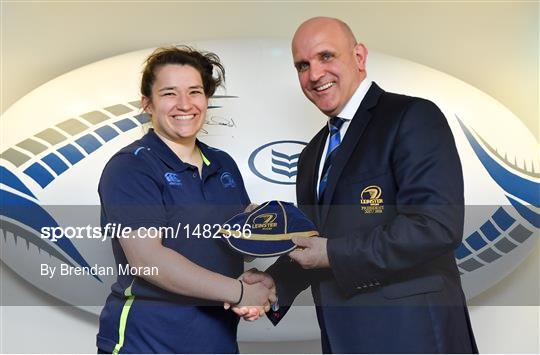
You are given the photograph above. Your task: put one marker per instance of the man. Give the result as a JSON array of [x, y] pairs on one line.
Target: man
[[383, 183]]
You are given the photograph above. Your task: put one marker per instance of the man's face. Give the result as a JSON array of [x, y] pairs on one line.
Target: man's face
[[330, 65]]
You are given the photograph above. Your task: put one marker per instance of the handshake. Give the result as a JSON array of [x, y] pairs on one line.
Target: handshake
[[259, 294], [259, 289]]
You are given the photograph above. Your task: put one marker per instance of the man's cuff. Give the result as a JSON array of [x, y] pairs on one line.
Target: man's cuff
[[345, 274], [275, 316]]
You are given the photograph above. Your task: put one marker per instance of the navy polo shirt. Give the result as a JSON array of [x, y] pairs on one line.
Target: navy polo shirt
[[145, 185]]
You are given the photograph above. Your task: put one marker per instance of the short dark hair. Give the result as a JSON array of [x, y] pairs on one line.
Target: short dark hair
[[203, 62]]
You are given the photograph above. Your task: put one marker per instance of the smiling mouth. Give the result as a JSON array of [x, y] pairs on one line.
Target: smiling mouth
[[325, 86], [184, 117]]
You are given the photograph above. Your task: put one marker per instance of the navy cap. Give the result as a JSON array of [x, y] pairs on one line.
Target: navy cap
[[267, 230]]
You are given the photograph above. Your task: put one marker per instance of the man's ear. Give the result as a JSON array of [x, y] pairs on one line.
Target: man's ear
[[361, 53]]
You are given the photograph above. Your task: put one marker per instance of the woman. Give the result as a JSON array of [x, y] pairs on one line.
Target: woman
[[173, 300]]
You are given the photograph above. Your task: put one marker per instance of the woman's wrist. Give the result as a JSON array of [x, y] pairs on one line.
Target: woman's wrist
[[241, 293]]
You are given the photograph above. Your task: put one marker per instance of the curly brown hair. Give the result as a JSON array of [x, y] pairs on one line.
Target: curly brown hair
[[204, 62]]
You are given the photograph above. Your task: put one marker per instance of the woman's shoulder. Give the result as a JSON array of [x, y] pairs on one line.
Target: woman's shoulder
[[132, 168], [136, 156], [211, 153]]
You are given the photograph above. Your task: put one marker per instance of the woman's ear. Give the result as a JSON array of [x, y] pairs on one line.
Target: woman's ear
[[146, 105]]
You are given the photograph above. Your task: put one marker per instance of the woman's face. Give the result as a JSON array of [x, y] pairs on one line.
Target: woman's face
[[178, 103]]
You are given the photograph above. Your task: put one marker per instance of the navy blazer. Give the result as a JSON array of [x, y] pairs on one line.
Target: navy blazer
[[393, 214]]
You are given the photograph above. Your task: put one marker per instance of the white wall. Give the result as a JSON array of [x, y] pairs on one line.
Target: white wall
[[493, 46]]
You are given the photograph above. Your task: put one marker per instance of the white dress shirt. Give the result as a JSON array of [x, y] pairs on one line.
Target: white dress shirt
[[347, 114]]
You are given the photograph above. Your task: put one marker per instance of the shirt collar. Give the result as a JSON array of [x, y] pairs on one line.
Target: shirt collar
[[354, 102], [152, 140], [210, 159]]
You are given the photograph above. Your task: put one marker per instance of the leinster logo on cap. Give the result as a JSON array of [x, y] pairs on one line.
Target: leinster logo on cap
[[267, 230], [265, 221], [371, 200]]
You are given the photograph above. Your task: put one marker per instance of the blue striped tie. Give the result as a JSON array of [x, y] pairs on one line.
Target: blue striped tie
[[333, 143]]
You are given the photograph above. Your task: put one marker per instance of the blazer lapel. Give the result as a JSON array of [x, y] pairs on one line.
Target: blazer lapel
[[312, 166], [347, 146]]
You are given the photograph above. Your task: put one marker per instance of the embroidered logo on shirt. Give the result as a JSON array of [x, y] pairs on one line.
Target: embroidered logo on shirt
[[136, 151], [371, 200], [227, 180], [173, 179]]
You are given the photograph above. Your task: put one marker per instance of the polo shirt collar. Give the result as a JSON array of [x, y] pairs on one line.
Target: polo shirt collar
[[152, 140], [210, 160]]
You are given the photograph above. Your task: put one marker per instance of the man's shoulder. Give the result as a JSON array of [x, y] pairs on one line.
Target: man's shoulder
[[395, 97], [392, 98], [399, 105]]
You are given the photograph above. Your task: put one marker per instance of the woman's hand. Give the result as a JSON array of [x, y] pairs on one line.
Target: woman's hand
[[251, 207], [251, 312], [256, 300]]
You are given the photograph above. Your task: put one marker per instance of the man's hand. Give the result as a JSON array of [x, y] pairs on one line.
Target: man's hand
[[252, 277], [310, 252]]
